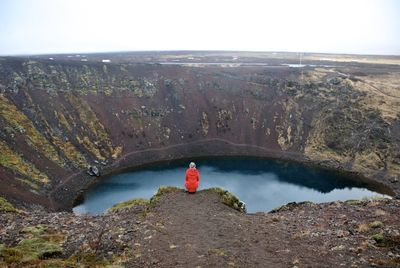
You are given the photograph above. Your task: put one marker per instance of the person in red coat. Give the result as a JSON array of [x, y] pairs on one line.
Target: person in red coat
[[192, 178]]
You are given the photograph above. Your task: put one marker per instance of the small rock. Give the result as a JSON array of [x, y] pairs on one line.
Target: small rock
[[172, 246], [340, 247], [394, 180], [341, 233]]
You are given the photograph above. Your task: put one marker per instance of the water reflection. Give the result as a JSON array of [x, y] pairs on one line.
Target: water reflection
[[262, 184]]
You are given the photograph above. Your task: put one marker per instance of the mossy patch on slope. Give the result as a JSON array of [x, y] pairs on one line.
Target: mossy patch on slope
[[5, 206], [21, 123], [13, 161], [227, 198]]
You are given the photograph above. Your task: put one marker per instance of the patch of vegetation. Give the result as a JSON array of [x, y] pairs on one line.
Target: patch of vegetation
[[353, 202], [376, 224], [363, 227], [37, 248], [87, 259], [93, 125], [61, 118], [91, 147], [5, 206], [71, 152], [162, 191], [21, 123], [13, 161], [116, 152], [379, 238], [227, 198], [129, 204], [40, 248], [29, 250]]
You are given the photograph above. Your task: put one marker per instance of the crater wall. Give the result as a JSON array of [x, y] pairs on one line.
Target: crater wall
[[59, 117]]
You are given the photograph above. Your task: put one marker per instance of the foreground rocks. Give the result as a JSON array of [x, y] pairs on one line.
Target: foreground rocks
[[176, 229]]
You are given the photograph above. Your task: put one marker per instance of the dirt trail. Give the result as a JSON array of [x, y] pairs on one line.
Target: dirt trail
[[197, 230]]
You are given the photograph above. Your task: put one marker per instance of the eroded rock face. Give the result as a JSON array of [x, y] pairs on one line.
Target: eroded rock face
[[59, 117]]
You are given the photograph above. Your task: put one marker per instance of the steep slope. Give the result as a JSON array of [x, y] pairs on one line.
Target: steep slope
[[57, 117]]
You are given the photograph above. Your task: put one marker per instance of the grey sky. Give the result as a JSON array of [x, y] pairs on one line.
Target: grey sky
[[341, 26]]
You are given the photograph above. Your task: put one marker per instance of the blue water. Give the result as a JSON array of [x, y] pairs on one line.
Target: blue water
[[261, 184]]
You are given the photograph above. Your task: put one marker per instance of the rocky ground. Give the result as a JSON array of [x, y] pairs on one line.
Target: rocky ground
[[176, 229]]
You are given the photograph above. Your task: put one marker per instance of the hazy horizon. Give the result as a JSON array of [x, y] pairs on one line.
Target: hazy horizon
[[368, 27]]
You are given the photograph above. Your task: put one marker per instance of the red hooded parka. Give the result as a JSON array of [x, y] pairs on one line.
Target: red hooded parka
[[192, 179]]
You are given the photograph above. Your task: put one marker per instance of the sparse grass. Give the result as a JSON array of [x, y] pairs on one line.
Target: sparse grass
[[11, 160], [379, 238], [5, 206], [227, 198], [376, 224], [93, 125], [35, 230], [40, 248], [218, 251], [374, 198], [116, 152], [129, 204], [87, 259], [353, 202], [37, 248], [19, 121], [29, 250], [70, 152], [162, 191], [363, 228], [91, 147]]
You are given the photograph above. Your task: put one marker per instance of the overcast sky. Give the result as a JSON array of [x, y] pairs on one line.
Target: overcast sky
[[341, 26]]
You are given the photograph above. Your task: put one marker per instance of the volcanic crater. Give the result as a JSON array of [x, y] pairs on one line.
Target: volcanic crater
[[64, 116]]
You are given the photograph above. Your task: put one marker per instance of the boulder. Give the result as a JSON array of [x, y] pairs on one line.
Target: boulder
[[93, 171]]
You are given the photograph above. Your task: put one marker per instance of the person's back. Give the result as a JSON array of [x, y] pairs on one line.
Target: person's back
[[192, 178]]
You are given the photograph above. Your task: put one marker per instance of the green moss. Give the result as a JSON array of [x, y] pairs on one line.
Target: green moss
[[11, 255], [91, 147], [353, 202], [379, 238], [35, 230], [37, 248], [227, 198], [376, 224], [129, 204], [61, 118], [94, 129], [20, 122], [218, 251], [13, 161], [5, 206], [29, 250], [87, 259], [71, 152], [41, 243], [162, 191]]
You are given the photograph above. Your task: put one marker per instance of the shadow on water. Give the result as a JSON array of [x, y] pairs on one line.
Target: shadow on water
[[262, 184]]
